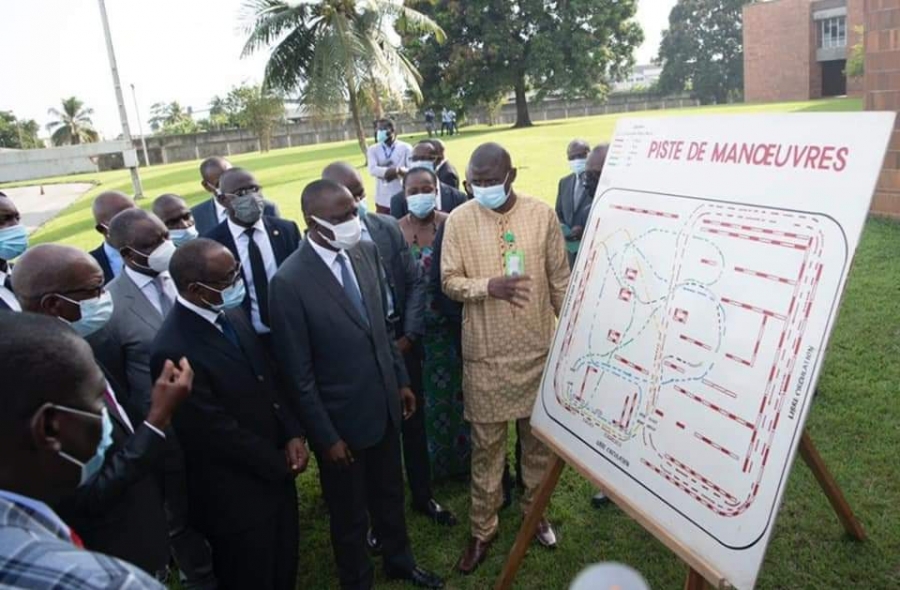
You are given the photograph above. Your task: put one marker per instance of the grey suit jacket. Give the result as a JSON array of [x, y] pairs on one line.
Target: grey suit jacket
[[342, 372], [123, 344], [403, 273], [565, 203]]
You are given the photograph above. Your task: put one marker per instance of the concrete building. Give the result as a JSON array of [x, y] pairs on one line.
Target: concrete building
[[642, 77], [798, 49]]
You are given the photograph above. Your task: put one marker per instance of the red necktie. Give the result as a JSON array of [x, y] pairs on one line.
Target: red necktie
[[76, 540]]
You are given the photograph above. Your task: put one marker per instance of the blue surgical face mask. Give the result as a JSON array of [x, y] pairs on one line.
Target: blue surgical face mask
[[232, 297], [426, 164], [13, 241], [362, 208], [93, 465], [578, 165], [421, 205], [95, 313], [491, 197], [182, 236], [382, 135]]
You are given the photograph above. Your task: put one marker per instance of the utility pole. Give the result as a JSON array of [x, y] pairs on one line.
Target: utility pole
[[123, 115], [137, 114]]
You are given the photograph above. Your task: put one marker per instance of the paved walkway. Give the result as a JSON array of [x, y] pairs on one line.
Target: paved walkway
[[37, 209]]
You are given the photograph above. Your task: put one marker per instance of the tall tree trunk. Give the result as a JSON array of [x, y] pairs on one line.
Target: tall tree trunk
[[522, 118], [376, 96], [357, 122]]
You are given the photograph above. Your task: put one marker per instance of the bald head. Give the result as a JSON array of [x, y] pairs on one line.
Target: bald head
[[210, 171], [578, 149], [106, 206], [597, 158], [53, 268], [347, 176], [490, 155]]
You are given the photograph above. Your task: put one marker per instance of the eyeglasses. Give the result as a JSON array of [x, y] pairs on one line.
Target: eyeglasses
[[241, 192], [237, 273]]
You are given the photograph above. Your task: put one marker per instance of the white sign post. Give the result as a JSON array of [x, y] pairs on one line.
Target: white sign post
[[698, 316]]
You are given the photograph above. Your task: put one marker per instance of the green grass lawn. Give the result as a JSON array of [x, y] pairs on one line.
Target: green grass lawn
[[854, 419]]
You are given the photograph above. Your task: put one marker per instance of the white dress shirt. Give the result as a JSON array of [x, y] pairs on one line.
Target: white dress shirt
[[6, 295], [207, 314], [124, 415], [148, 289], [329, 257], [261, 237], [221, 212], [382, 157]]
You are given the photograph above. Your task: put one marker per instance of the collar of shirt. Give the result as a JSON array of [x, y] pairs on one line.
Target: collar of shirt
[[139, 279], [221, 212], [115, 259], [237, 231], [6, 295], [207, 314], [40, 508], [366, 234], [327, 256]]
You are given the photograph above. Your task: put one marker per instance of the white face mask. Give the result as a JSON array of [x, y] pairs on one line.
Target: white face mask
[[158, 260], [346, 234]]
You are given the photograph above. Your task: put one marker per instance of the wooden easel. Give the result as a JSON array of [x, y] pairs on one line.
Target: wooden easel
[[694, 581]]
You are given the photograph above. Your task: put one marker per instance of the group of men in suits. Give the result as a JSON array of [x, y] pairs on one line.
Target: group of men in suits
[[258, 325]]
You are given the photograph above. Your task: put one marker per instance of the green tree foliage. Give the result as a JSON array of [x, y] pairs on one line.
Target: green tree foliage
[[171, 119], [257, 109], [856, 62], [73, 123], [20, 134], [332, 51], [572, 49], [702, 50]]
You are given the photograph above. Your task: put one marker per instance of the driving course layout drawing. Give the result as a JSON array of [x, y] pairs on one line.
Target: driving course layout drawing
[[684, 350]]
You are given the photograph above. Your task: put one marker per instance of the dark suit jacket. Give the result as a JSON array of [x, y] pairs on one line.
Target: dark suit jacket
[[452, 310], [102, 259], [233, 427], [205, 218], [120, 510], [403, 273], [342, 373], [447, 174], [450, 200], [284, 235], [565, 203]]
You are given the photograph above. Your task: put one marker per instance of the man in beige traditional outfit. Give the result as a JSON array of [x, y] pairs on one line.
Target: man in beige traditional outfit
[[504, 258]]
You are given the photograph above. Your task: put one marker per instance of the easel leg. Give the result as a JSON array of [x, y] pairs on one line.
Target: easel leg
[[529, 525], [695, 581], [812, 458]]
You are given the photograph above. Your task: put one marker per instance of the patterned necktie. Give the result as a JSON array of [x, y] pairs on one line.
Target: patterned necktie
[[165, 303], [260, 278], [350, 288]]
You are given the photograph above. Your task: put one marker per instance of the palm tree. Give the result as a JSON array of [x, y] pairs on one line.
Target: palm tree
[[330, 50], [73, 124]]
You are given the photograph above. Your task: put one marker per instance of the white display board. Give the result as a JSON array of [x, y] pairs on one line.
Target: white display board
[[698, 316]]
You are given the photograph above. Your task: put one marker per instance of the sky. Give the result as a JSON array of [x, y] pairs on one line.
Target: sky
[[169, 50]]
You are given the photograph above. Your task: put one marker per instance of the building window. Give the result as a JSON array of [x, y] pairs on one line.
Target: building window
[[833, 32]]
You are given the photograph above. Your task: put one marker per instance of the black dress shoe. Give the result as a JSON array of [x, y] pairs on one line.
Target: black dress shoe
[[417, 577], [435, 512], [599, 500], [373, 543], [507, 488]]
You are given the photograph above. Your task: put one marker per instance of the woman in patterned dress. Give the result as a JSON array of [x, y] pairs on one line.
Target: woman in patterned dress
[[448, 434]]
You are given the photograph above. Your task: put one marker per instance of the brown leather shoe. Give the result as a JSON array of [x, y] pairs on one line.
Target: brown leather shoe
[[475, 553], [545, 534]]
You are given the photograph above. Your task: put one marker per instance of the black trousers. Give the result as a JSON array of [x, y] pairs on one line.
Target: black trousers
[[415, 440], [263, 557], [188, 547], [372, 485]]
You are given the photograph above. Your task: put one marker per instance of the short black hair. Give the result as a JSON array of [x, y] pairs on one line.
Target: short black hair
[[316, 190], [420, 170], [43, 360], [189, 263], [121, 227], [388, 122]]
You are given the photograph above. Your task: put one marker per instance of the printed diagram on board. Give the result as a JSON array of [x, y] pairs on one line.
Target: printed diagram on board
[[684, 355]]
